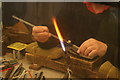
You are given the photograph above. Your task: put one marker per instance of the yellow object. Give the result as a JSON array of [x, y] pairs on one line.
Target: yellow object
[[17, 46]]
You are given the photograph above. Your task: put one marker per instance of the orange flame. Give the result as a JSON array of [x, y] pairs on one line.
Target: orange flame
[[57, 29], [58, 33]]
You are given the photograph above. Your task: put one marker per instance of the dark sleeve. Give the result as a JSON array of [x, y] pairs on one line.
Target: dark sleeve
[[108, 33], [12, 8], [113, 55], [52, 42]]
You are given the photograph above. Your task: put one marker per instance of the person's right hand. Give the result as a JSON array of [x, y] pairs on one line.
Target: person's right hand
[[41, 33]]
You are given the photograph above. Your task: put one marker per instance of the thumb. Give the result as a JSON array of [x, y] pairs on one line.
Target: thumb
[[50, 34]]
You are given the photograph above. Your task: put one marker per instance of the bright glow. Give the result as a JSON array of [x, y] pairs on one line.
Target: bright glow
[[58, 33], [63, 46]]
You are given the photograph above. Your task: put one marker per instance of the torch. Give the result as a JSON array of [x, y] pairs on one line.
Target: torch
[[66, 55]]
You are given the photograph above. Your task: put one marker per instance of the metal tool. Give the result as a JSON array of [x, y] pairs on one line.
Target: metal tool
[[8, 73], [36, 74], [30, 74], [68, 65], [16, 71], [43, 78], [21, 75], [40, 76], [24, 76]]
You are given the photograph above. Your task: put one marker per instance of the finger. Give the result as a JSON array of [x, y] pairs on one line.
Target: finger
[[45, 28], [88, 50], [38, 29], [80, 48], [34, 34], [83, 47], [92, 54], [41, 39], [50, 34], [43, 35]]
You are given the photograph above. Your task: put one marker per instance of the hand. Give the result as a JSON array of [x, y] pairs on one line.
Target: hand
[[92, 48], [41, 33]]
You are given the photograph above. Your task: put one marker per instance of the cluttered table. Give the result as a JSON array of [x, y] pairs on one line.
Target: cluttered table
[[47, 72]]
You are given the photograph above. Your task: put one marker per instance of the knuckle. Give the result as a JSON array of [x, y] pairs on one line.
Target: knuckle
[[33, 33], [39, 35], [37, 29], [95, 51], [96, 48], [45, 28], [34, 28], [36, 38], [91, 39], [45, 34], [89, 48]]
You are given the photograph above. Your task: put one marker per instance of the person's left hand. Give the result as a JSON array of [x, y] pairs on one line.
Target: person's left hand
[[92, 48]]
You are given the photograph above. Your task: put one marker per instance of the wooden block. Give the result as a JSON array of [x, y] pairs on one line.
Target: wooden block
[[35, 66]]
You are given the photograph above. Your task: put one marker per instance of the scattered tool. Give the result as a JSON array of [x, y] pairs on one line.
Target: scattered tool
[[43, 78], [7, 75], [67, 76], [16, 71], [36, 74], [24, 76], [7, 65], [40, 76], [30, 74]]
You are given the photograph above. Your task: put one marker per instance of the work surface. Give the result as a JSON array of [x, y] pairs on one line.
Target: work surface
[[48, 73]]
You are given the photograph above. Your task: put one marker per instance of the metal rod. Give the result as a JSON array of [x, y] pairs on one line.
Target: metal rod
[[40, 76], [28, 23], [23, 21]]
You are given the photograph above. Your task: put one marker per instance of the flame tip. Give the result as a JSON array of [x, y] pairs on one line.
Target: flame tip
[[58, 33]]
